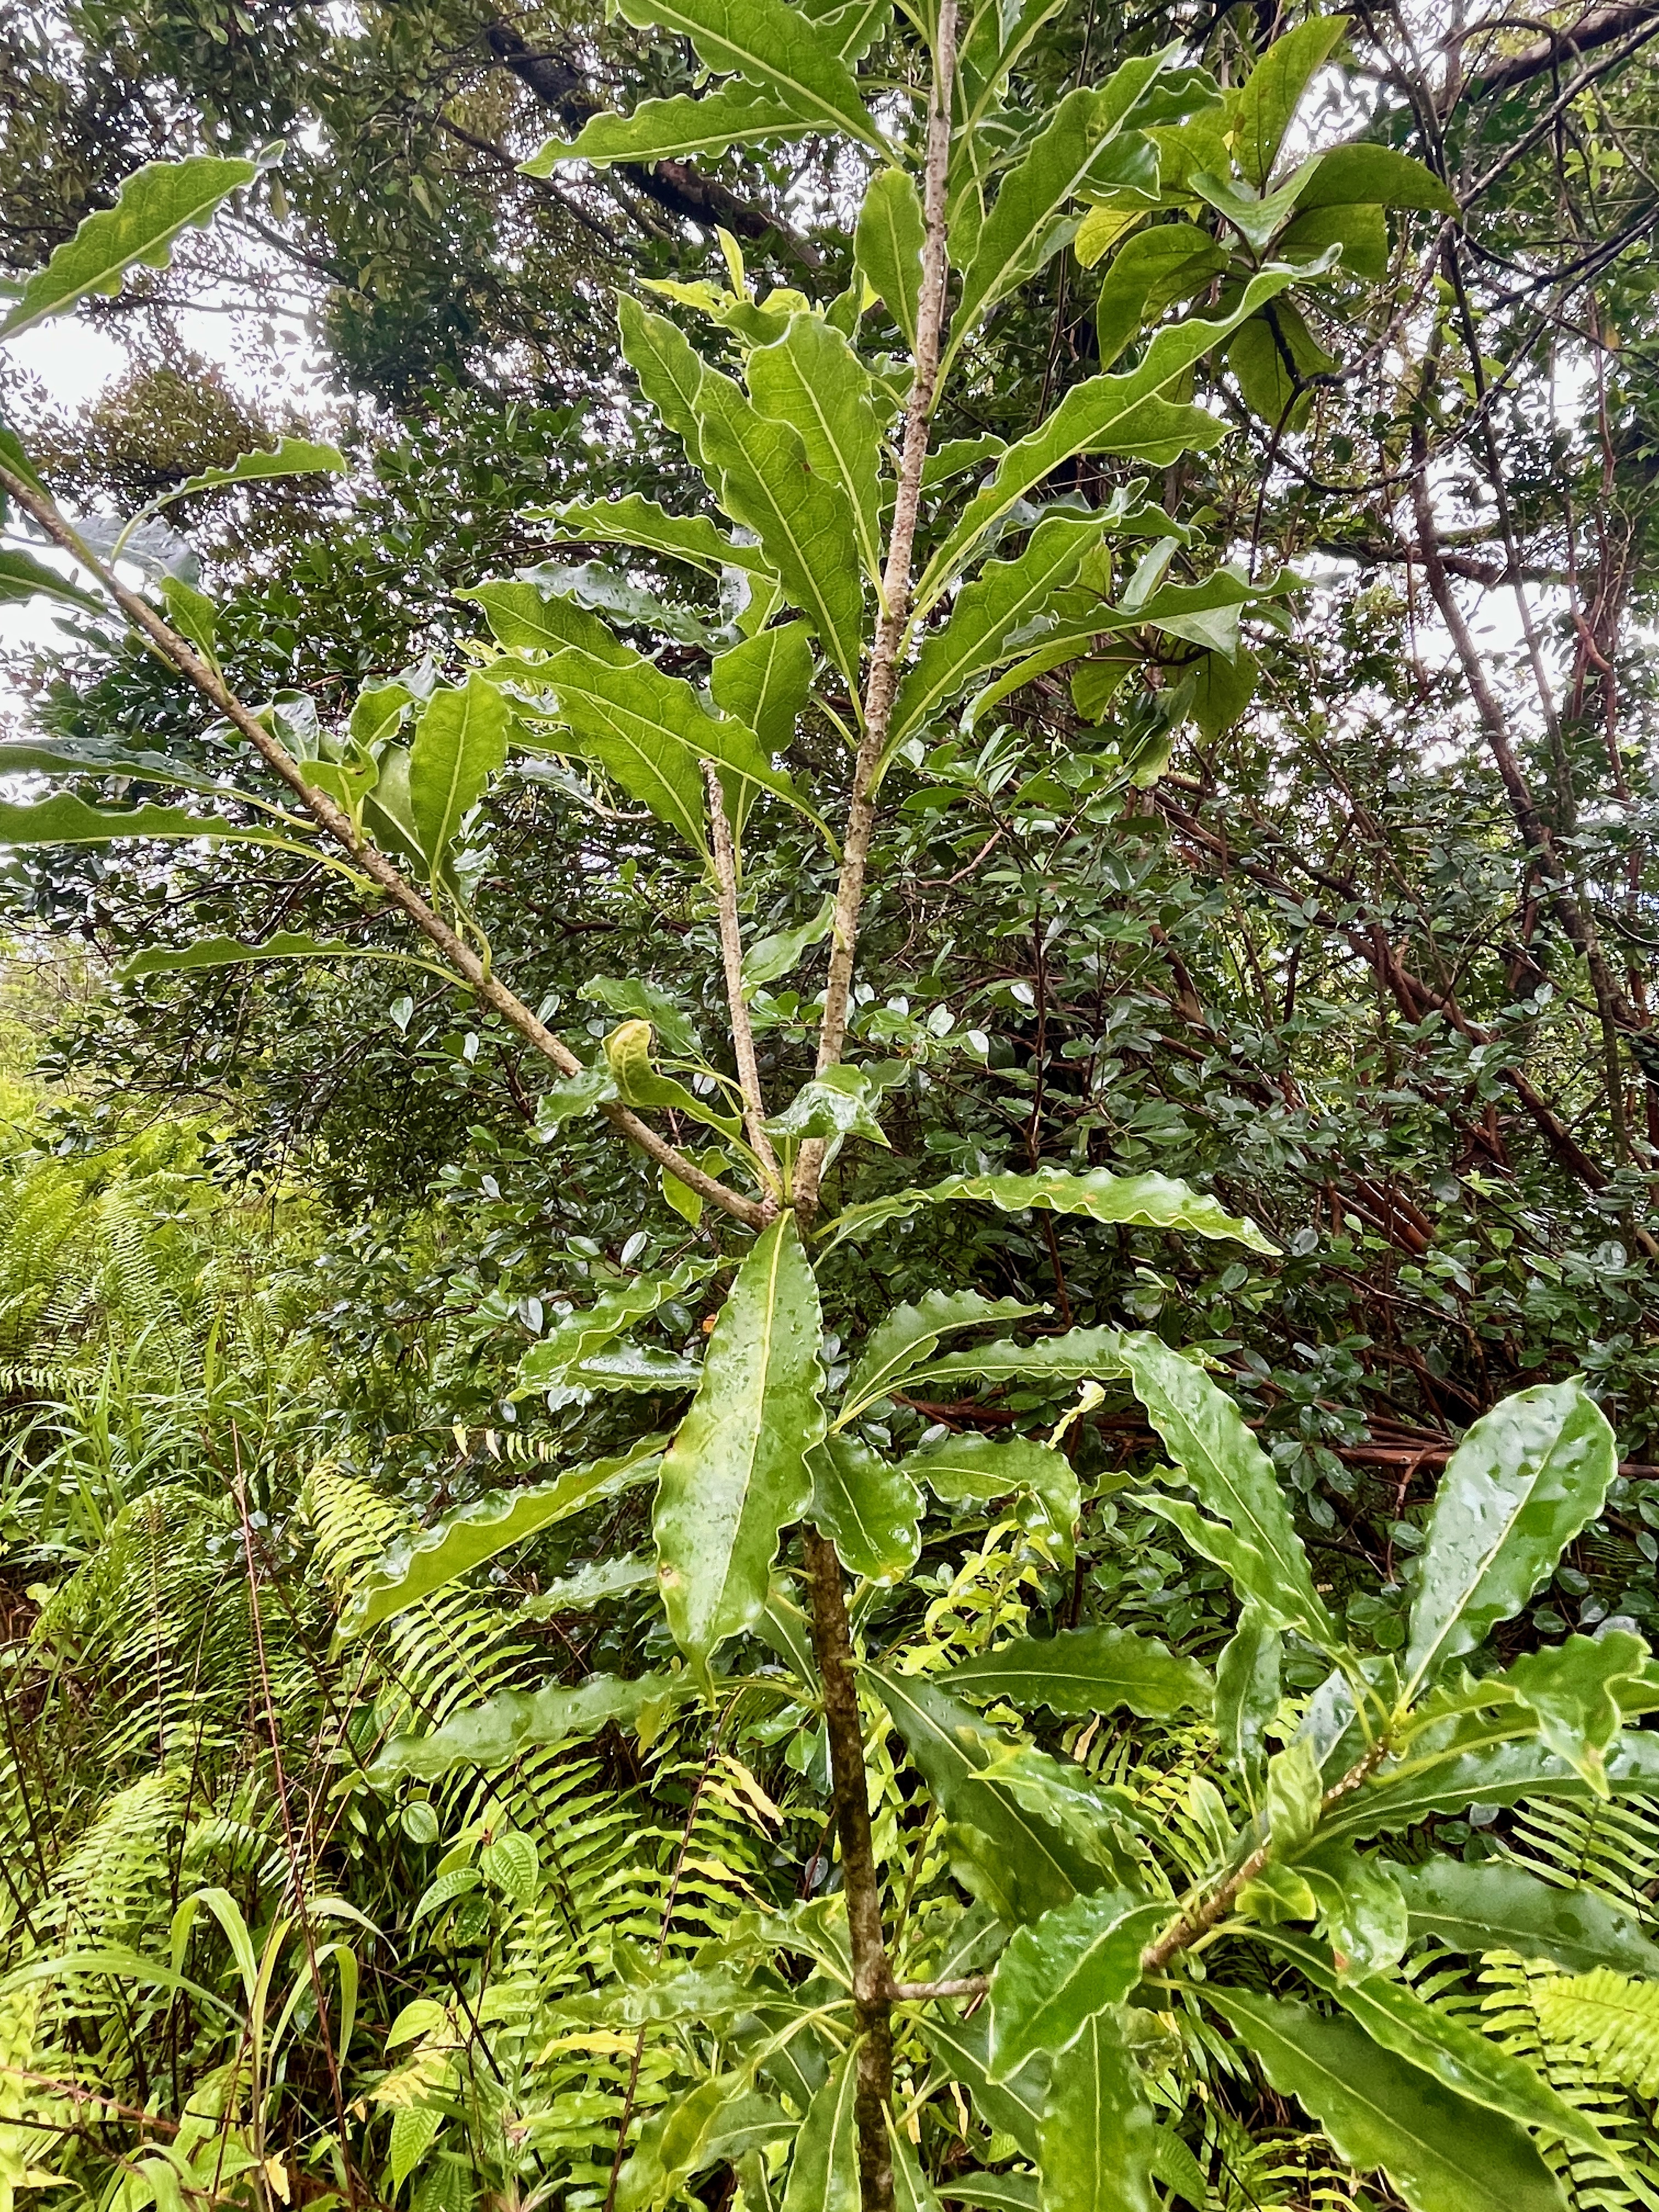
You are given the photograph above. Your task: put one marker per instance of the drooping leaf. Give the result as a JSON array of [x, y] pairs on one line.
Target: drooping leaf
[[1013, 2107], [1247, 1692], [1087, 1670], [994, 617], [154, 204], [804, 521], [1269, 96], [869, 1508], [1042, 1482], [775, 48], [811, 379], [692, 538], [492, 1735], [887, 246], [1098, 2138], [823, 2169], [775, 955], [577, 1339], [1476, 1761], [574, 1096], [841, 1102], [1461, 2059], [1377, 176], [67, 820], [231, 952], [1147, 1201], [764, 682], [629, 1055], [1080, 1355], [1205, 1435], [1105, 414], [600, 589], [736, 1473], [1441, 2152], [1150, 273], [675, 130], [1361, 1912], [288, 456], [676, 2142], [1054, 1974], [418, 1566], [1496, 1906], [1572, 1689], [460, 742], [1525, 1479], [527, 619], [93, 755], [22, 577]]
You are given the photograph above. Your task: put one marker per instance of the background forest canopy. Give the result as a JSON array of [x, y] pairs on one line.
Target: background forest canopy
[[829, 1114]]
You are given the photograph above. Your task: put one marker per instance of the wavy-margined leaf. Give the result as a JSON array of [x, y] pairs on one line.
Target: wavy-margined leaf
[[1056, 1973], [153, 205], [1247, 1688], [1525, 1479], [1088, 1670], [1080, 146], [805, 523], [887, 246], [652, 733], [1268, 98], [65, 819], [1440, 2151], [1377, 176], [1461, 2059], [283, 945], [869, 1508], [458, 743], [824, 2168], [992, 619], [492, 1735], [677, 2141], [22, 577], [526, 619], [1477, 1761], [585, 1092], [1361, 1912], [675, 130], [288, 456], [1495, 1906], [1013, 2107], [692, 538], [97, 755], [1080, 1355], [910, 1334], [1150, 273], [1033, 1833], [776, 954], [811, 379], [1099, 2138], [996, 2193], [604, 591], [628, 1052], [1572, 1689], [765, 682], [668, 366], [772, 46], [736, 1473], [840, 1102], [579, 1337], [1106, 414], [420, 1564], [1205, 1435], [1143, 1202], [1043, 1483], [1609, 2017]]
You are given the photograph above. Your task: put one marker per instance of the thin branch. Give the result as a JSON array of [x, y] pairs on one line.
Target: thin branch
[[743, 1033]]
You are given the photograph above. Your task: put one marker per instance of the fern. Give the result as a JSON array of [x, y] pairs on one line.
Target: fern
[[1610, 2017]]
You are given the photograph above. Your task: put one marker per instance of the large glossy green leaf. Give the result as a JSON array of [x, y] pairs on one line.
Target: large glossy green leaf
[[1496, 1906], [764, 682], [67, 820], [1056, 1972], [22, 577], [1088, 1670], [811, 379], [1377, 175], [1098, 2138], [523, 616], [1105, 415], [910, 1334], [1471, 1764], [1441, 2153], [804, 521], [1012, 2107], [823, 2169], [1268, 99], [776, 48], [678, 2142], [669, 368], [1461, 2059], [1080, 146], [1080, 1355], [981, 1469], [154, 204], [642, 523], [674, 129], [1572, 1690], [419, 1564], [460, 742], [288, 456], [869, 1508], [887, 246], [492, 1735], [1144, 1201], [1247, 1688], [1205, 1435], [576, 1339], [1525, 1479], [736, 1475], [97, 755], [1155, 269], [995, 618], [1032, 1833], [231, 952]]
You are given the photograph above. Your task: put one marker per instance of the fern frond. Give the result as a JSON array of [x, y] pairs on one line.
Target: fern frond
[[1610, 2016]]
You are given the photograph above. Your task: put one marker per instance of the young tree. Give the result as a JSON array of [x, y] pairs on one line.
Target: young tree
[[878, 589]]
